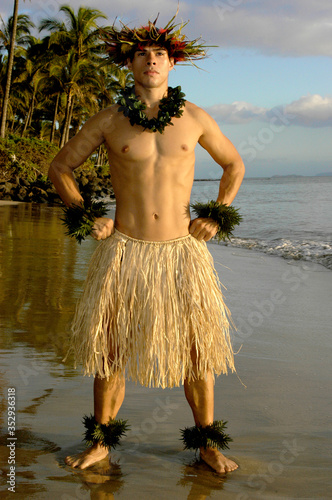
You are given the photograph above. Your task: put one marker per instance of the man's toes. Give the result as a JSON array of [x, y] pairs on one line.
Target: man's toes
[[231, 467], [72, 461]]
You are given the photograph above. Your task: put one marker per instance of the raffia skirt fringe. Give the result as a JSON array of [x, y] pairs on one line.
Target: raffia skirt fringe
[[146, 306]]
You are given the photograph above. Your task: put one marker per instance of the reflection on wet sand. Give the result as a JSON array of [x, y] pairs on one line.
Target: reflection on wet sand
[[37, 402], [201, 480], [31, 448], [103, 480], [38, 277]]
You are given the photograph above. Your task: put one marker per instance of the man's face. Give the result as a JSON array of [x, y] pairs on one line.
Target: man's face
[[151, 66]]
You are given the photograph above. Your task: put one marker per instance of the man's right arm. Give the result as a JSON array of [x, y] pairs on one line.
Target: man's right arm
[[225, 154], [74, 154]]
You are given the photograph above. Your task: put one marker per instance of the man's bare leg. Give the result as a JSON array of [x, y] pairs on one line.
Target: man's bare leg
[[108, 398], [200, 396]]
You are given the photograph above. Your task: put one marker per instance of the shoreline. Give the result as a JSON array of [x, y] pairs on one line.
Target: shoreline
[[9, 202], [111, 202]]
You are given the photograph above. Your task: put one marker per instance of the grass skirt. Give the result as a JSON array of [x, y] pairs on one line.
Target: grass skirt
[[145, 306]]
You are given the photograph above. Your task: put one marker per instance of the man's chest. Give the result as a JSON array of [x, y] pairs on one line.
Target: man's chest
[[133, 143]]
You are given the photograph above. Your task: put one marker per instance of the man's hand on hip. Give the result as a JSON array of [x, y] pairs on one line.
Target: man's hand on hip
[[203, 228], [103, 228]]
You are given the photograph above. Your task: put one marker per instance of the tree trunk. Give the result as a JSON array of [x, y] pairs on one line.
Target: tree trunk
[[99, 157], [9, 72], [28, 119], [71, 109], [66, 120], [54, 117], [32, 108], [12, 124], [103, 158], [26, 122]]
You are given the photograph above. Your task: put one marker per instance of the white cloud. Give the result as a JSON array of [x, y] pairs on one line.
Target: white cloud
[[295, 28], [308, 111], [237, 112], [125, 10], [311, 110]]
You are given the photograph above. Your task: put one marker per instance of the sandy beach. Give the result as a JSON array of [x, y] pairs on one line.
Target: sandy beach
[[277, 405]]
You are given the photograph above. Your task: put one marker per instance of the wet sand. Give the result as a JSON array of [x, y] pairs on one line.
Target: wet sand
[[277, 406]]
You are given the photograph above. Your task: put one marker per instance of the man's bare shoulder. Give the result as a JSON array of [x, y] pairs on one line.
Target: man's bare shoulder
[[198, 113], [102, 122], [104, 118], [193, 108]]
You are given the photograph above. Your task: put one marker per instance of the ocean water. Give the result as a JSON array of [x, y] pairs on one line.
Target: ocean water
[[290, 217]]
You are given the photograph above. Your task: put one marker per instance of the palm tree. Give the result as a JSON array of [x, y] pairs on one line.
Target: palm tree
[[23, 26], [9, 70], [78, 33], [62, 79], [3, 67], [75, 43], [74, 77], [52, 95], [35, 75], [43, 89]]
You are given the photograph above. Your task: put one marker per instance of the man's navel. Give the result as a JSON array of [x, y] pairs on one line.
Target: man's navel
[[155, 216]]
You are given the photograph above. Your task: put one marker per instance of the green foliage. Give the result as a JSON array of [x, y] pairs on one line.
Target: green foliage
[[29, 157], [108, 435], [24, 163], [79, 220], [169, 106], [25, 156], [212, 435], [227, 217]]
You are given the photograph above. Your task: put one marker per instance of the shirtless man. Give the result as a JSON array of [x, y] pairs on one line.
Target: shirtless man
[[152, 177]]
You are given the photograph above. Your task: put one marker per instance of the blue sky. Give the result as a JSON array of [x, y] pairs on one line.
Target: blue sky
[[268, 84]]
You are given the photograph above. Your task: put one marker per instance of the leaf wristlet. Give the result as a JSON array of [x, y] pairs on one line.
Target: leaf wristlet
[[227, 217], [108, 435], [79, 219], [212, 435]]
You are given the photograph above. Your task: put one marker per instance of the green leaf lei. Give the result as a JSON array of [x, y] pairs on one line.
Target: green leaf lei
[[169, 106], [227, 217]]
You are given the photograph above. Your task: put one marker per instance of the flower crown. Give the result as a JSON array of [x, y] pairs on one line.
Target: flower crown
[[121, 45]]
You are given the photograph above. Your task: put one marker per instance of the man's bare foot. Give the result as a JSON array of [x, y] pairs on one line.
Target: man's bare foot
[[217, 460], [86, 458]]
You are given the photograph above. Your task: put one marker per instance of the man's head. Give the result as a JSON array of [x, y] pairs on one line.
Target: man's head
[[150, 65], [121, 45]]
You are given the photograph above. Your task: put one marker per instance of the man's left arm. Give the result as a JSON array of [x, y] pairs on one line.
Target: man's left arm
[[225, 154]]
